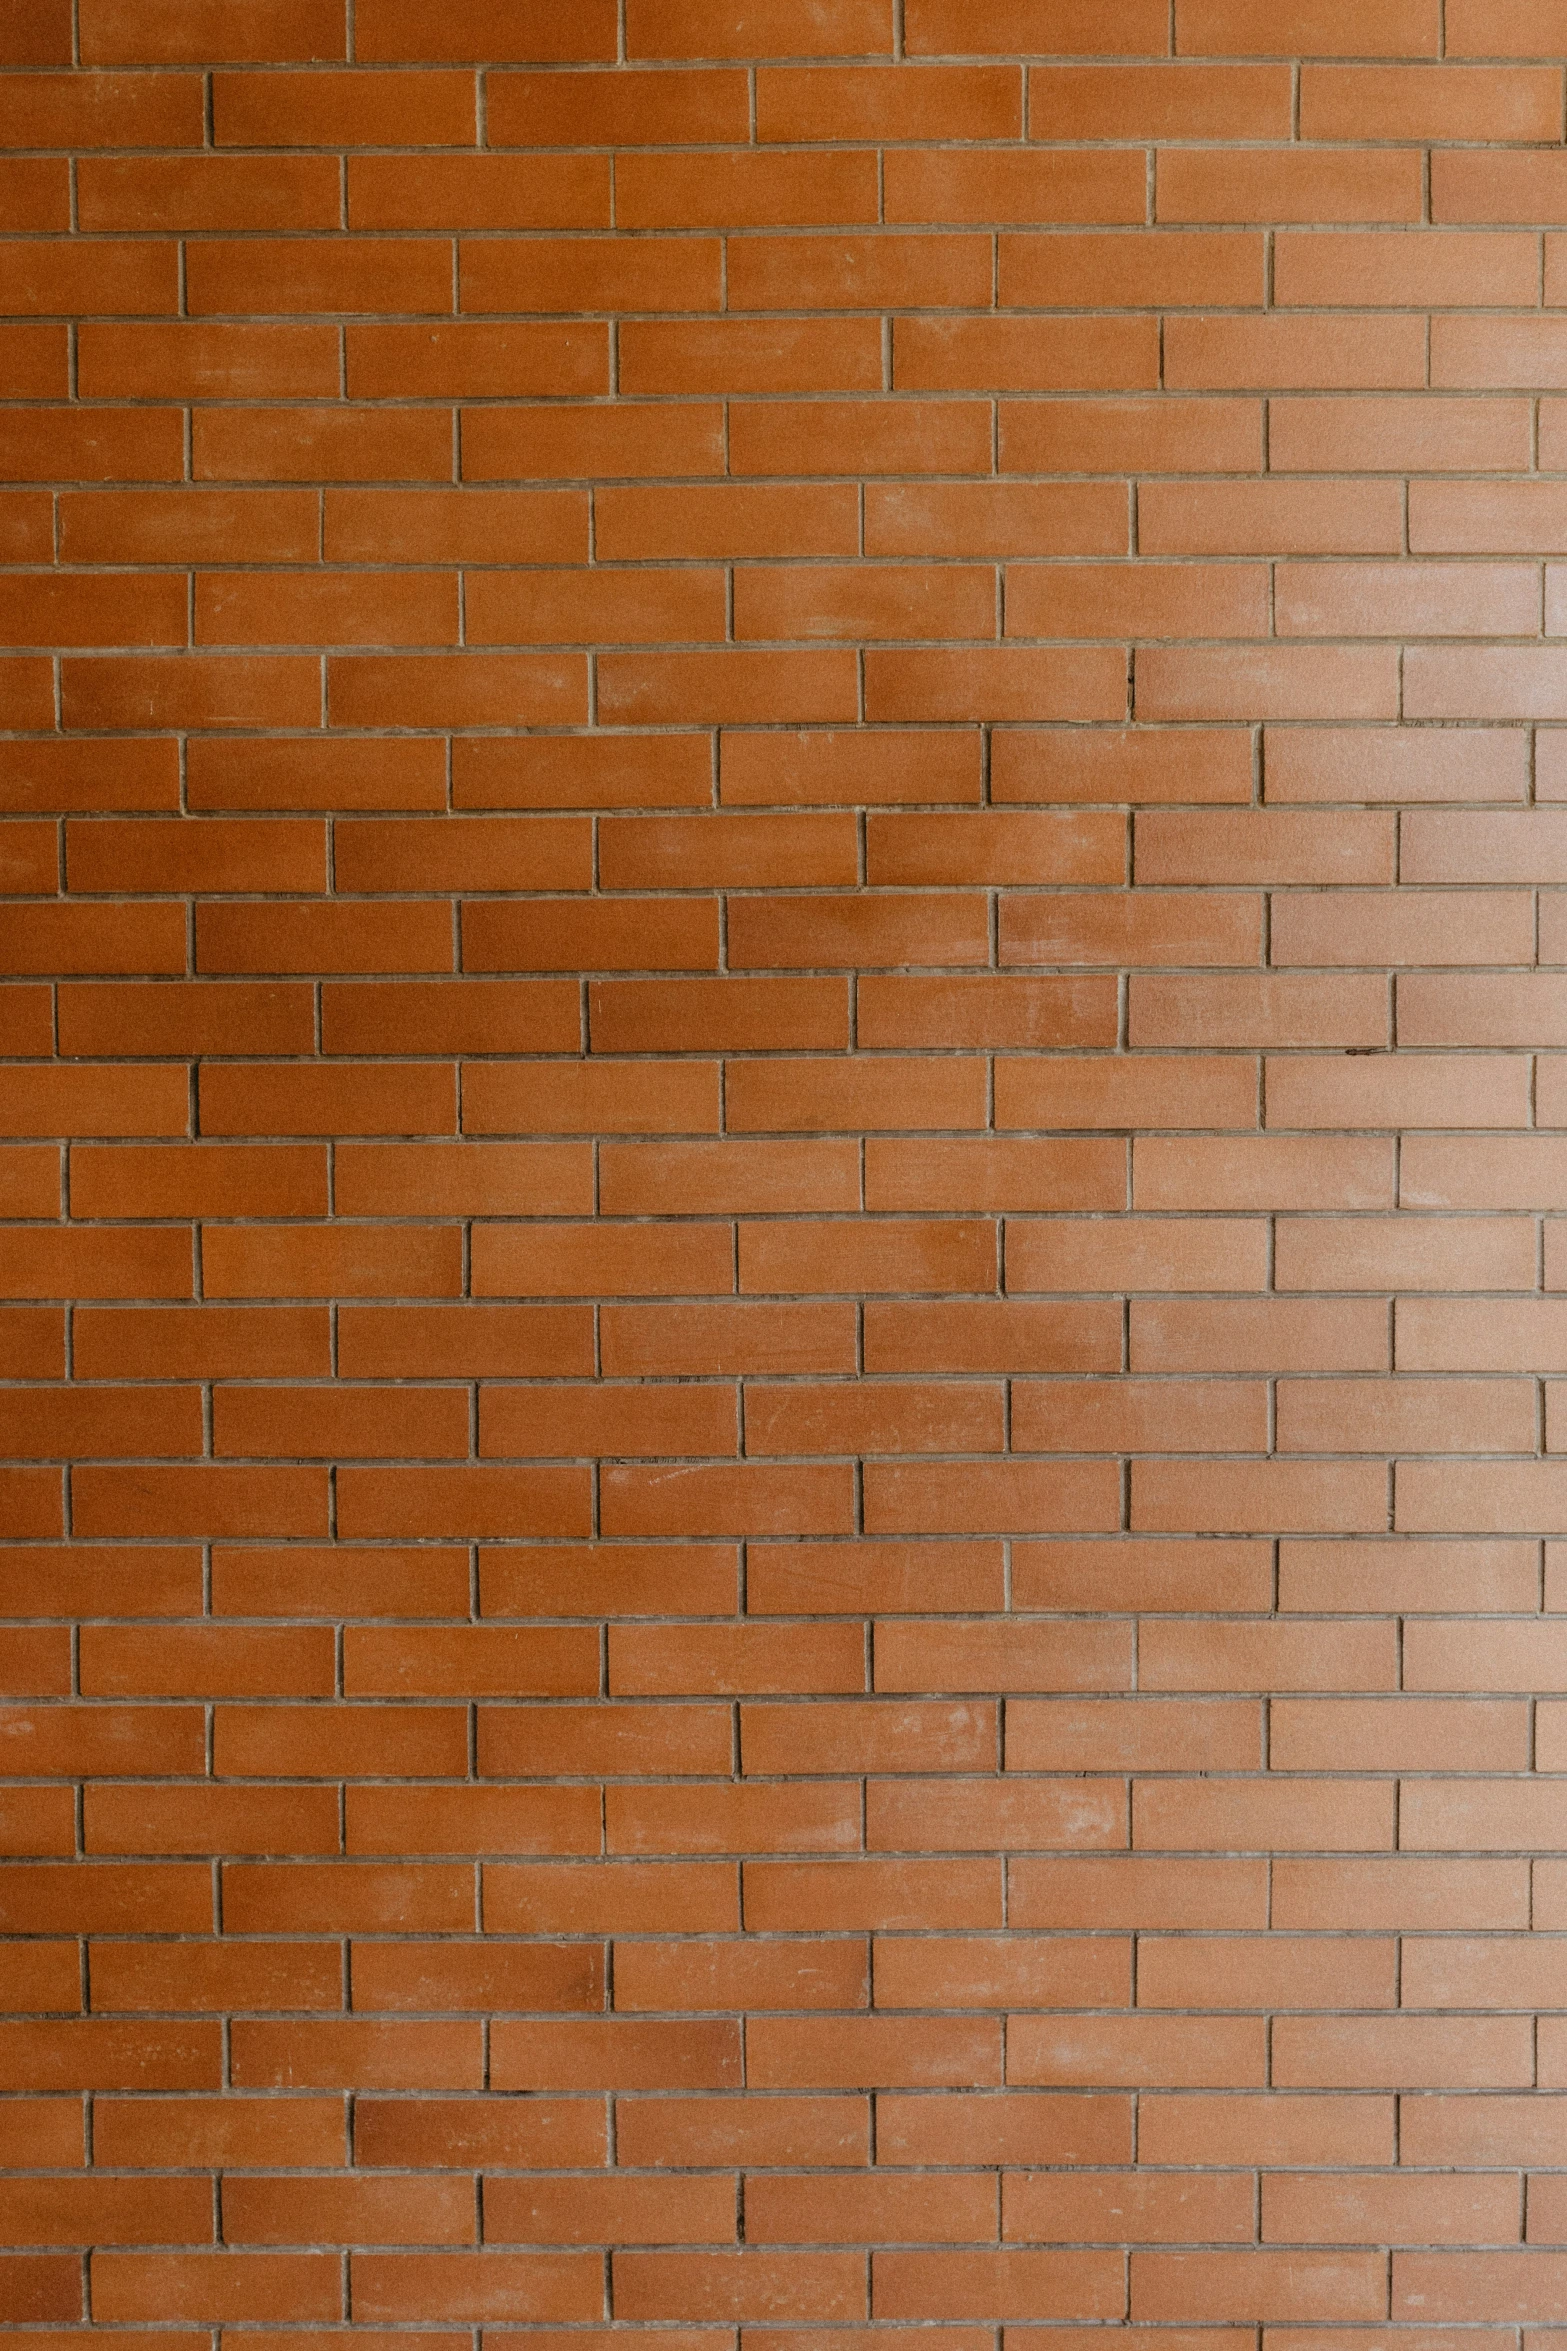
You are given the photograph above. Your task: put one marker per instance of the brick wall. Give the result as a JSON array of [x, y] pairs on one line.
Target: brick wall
[[785, 1089]]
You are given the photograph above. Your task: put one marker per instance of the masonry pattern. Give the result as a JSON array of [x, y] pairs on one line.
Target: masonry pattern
[[783, 1213]]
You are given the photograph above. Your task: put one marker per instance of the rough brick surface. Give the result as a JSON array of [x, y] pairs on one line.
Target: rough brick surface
[[783, 1174]]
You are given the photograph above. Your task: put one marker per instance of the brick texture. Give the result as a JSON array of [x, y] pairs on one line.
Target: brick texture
[[783, 1174]]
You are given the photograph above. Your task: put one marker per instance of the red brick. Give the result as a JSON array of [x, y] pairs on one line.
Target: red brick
[[850, 2210], [1008, 2285], [1108, 436], [582, 1097], [157, 32], [197, 362], [1151, 102], [37, 36], [1325, 28], [571, 442], [506, 29], [860, 272], [745, 2285], [1185, 1971], [1120, 600], [726, 687], [795, 933], [1399, 1893], [749, 1290], [285, 1741], [1295, 682], [210, 192], [35, 194], [210, 1341], [472, 360], [927, 185], [333, 110], [198, 690], [1272, 517], [243, 609], [889, 1418], [1004, 683], [1271, 2129], [582, 771], [1155, 2210], [200, 1501], [716, 28], [477, 192], [271, 2212], [482, 2130], [983, 519], [1441, 435], [616, 108], [745, 189], [1025, 355], [110, 1897], [862, 436], [935, 27], [322, 444], [1207, 354], [123, 2057], [1497, 187], [1479, 29], [41, 278], [1265, 2285], [44, 776], [1284, 184]]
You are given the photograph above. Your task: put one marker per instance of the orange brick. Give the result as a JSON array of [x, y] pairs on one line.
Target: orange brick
[[477, 192], [1109, 436], [35, 195], [813, 1093], [151, 32], [1122, 600], [1325, 28], [616, 108], [210, 192], [582, 772], [1284, 184], [1007, 2285], [744, 189], [1025, 355], [1496, 187], [1278, 353], [1264, 2284], [716, 28], [1154, 102], [860, 272], [1442, 267], [199, 690], [42, 277], [1441, 435], [322, 444], [937, 1257], [935, 27], [572, 442], [862, 436], [167, 526], [41, 37], [1477, 30], [1151, 2210], [821, 1409], [244, 609], [984, 519], [348, 109]]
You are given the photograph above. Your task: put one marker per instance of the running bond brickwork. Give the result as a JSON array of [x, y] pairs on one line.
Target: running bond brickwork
[[783, 1302]]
